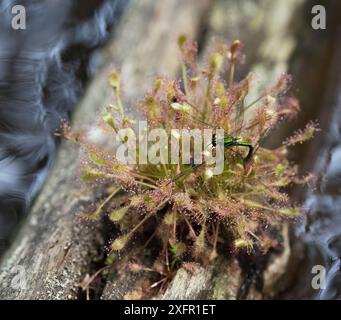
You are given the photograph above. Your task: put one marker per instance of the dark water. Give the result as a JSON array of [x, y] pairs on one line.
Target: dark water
[[321, 230], [43, 70]]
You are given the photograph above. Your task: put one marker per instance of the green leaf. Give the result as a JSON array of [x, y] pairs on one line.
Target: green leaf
[[115, 107], [181, 40], [177, 249], [291, 212], [98, 160], [157, 85], [254, 204], [181, 107], [242, 243], [199, 244], [279, 170], [147, 197], [111, 258], [107, 117], [114, 80], [216, 62], [118, 168], [119, 243], [169, 218], [90, 216], [117, 215], [90, 174]]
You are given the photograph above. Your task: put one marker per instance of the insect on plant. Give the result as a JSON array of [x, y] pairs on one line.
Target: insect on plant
[[188, 215], [228, 141]]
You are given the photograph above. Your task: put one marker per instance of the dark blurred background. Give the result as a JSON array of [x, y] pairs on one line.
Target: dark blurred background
[[43, 71]]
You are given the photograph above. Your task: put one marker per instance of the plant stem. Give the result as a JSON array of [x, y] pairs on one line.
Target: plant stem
[[147, 216], [99, 209], [231, 73], [137, 175], [216, 237], [190, 227], [184, 77]]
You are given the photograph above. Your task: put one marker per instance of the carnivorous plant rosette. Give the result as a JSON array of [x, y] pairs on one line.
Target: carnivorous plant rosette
[[193, 214]]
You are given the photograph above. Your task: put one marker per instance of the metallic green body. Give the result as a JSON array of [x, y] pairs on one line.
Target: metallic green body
[[230, 141]]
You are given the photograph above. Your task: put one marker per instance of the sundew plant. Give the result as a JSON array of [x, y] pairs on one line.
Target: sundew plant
[[192, 214]]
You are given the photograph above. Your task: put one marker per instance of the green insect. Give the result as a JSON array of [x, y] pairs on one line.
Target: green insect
[[230, 141]]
